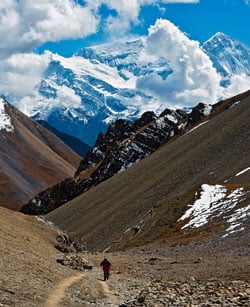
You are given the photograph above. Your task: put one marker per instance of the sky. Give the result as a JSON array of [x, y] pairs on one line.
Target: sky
[[32, 31], [198, 19]]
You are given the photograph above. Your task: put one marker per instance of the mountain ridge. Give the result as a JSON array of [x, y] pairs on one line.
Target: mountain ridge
[[31, 158], [124, 145], [143, 203]]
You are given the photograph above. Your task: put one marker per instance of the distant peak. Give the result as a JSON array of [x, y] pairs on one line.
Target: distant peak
[[220, 34], [223, 39], [218, 37]]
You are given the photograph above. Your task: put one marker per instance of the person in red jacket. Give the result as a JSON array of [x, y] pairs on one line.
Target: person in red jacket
[[106, 266]]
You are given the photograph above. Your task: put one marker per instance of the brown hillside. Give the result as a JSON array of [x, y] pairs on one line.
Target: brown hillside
[[31, 159], [161, 185], [30, 275], [28, 265]]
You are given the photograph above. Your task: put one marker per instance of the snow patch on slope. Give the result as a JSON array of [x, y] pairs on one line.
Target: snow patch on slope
[[5, 120], [236, 219], [213, 201], [242, 172]]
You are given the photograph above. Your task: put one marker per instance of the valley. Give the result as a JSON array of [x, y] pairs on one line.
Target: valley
[[125, 135], [207, 272], [175, 227]]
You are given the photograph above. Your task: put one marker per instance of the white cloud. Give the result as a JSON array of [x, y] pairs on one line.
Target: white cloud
[[21, 73], [66, 97], [193, 79], [127, 12], [238, 84], [35, 103], [27, 24]]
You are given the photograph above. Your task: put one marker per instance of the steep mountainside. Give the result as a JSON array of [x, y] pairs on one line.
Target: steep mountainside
[[31, 158], [124, 144], [158, 198]]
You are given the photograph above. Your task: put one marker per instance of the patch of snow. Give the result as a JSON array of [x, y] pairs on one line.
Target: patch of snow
[[172, 118], [97, 151], [202, 207], [237, 102], [236, 219], [242, 172], [5, 120], [160, 123], [182, 126], [213, 202], [137, 148], [207, 110], [42, 219], [201, 124]]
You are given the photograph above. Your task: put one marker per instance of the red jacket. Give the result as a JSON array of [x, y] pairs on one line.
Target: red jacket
[[106, 265]]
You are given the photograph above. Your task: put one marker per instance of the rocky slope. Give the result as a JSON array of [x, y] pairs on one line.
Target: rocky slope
[[124, 144], [150, 200], [155, 275], [31, 158]]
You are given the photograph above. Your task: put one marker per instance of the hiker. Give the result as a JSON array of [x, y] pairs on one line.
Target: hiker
[[106, 265]]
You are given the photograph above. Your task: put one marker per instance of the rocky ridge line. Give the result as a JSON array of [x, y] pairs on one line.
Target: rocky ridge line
[[124, 144]]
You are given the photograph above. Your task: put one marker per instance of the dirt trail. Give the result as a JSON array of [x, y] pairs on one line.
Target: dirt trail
[[98, 288], [58, 293]]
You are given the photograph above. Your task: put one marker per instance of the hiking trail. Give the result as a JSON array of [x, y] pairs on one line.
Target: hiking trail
[[58, 293], [101, 287]]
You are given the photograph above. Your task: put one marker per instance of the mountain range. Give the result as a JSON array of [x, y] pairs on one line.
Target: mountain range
[[158, 178], [83, 94]]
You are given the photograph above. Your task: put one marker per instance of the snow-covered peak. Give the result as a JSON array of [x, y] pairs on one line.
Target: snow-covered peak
[[5, 120], [229, 55], [220, 37], [120, 53], [83, 67], [83, 94]]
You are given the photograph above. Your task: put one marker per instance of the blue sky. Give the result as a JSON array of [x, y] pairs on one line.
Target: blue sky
[[199, 20]]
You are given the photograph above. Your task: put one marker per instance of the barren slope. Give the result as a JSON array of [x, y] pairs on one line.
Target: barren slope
[[31, 159], [160, 187], [180, 276]]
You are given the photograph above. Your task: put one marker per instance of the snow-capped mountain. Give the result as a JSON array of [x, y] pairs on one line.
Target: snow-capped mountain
[[83, 94], [100, 94], [228, 55]]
